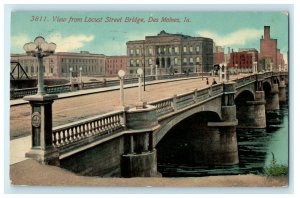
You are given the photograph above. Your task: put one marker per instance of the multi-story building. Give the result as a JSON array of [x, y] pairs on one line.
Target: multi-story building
[[268, 50], [60, 64], [243, 59], [115, 63], [171, 53], [280, 60], [219, 56]]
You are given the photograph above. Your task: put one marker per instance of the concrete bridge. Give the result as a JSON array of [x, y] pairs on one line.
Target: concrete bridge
[[125, 142]]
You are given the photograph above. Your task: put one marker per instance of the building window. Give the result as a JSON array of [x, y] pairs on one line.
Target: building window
[[184, 49], [137, 51], [191, 61], [150, 61], [131, 62], [150, 51], [191, 48], [197, 60], [170, 50], [137, 63], [131, 51], [159, 50], [184, 61], [176, 50], [175, 61]]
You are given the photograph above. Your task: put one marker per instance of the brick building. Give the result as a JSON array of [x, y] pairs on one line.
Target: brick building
[[243, 59], [172, 53], [268, 50], [219, 56], [58, 65], [115, 63]]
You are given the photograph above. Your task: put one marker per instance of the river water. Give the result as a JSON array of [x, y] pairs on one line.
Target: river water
[[255, 147]]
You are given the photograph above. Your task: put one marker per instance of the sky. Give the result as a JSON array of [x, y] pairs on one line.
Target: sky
[[94, 32]]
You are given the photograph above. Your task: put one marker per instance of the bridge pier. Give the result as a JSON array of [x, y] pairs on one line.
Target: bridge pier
[[282, 91], [272, 99], [226, 141], [253, 114], [139, 158], [42, 149]]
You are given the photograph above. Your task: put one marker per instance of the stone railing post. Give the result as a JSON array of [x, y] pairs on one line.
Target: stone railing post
[[42, 149], [174, 102], [195, 95], [139, 158]]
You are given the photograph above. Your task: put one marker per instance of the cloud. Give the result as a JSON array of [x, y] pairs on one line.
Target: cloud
[[113, 48], [17, 43], [70, 43], [239, 37], [118, 47]]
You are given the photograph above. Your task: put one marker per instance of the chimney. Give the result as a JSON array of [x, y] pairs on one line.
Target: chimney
[[266, 32]]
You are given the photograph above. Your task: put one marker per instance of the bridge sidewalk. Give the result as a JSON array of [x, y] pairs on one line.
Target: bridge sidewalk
[[97, 90], [18, 148]]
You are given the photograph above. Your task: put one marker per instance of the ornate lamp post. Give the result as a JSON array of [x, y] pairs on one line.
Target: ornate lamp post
[[40, 49], [80, 70], [42, 148], [140, 104], [121, 75], [71, 70]]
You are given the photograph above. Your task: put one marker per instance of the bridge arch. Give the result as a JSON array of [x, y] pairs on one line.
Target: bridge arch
[[243, 97], [267, 87], [168, 124], [190, 140]]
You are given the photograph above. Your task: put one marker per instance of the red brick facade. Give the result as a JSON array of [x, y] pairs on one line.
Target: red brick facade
[[243, 59], [219, 55], [268, 48], [115, 63]]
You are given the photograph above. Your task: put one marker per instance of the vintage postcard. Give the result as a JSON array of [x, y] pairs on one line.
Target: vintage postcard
[[150, 98]]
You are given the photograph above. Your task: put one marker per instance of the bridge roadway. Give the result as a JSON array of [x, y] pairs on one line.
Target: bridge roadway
[[72, 109]]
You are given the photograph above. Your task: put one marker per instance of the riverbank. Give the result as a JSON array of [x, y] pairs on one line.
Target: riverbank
[[31, 173]]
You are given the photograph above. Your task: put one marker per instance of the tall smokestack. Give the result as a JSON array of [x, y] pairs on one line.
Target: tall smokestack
[[266, 32]]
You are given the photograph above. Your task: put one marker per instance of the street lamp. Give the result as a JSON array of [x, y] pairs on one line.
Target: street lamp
[[236, 70], [40, 49], [42, 148], [140, 72], [71, 70], [80, 69], [121, 74]]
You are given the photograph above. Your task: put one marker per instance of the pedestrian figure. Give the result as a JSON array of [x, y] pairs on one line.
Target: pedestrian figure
[[214, 82], [207, 82]]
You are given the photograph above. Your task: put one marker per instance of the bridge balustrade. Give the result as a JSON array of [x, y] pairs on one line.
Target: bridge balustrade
[[91, 128], [268, 74], [58, 89], [92, 85], [20, 93], [216, 89], [169, 105], [185, 100], [164, 106]]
